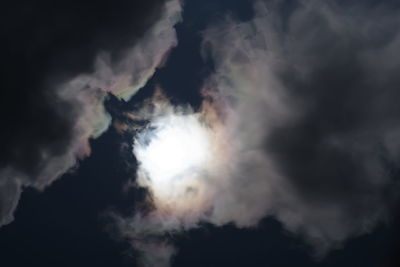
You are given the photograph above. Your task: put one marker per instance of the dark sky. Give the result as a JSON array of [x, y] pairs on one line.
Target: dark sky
[[48, 42]]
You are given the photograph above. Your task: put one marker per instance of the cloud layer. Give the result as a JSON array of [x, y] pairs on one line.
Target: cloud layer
[[303, 94]]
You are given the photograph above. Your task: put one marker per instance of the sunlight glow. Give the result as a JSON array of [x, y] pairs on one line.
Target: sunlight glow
[[173, 154], [176, 144]]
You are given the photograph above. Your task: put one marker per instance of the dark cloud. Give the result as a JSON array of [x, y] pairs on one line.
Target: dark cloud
[[317, 95], [43, 39], [51, 51], [343, 150]]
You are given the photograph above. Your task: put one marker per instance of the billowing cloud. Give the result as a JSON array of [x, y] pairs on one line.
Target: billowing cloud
[[315, 98], [52, 123], [305, 98]]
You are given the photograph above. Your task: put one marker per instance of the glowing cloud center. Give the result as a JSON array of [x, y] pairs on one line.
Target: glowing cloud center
[[176, 145], [174, 153]]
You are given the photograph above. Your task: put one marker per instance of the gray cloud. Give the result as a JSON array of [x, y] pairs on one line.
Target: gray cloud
[[62, 114], [315, 94]]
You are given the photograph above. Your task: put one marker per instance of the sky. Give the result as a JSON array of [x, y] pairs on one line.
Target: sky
[[200, 133]]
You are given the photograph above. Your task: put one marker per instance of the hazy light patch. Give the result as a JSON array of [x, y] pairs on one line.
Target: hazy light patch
[[185, 158], [178, 144], [174, 153]]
